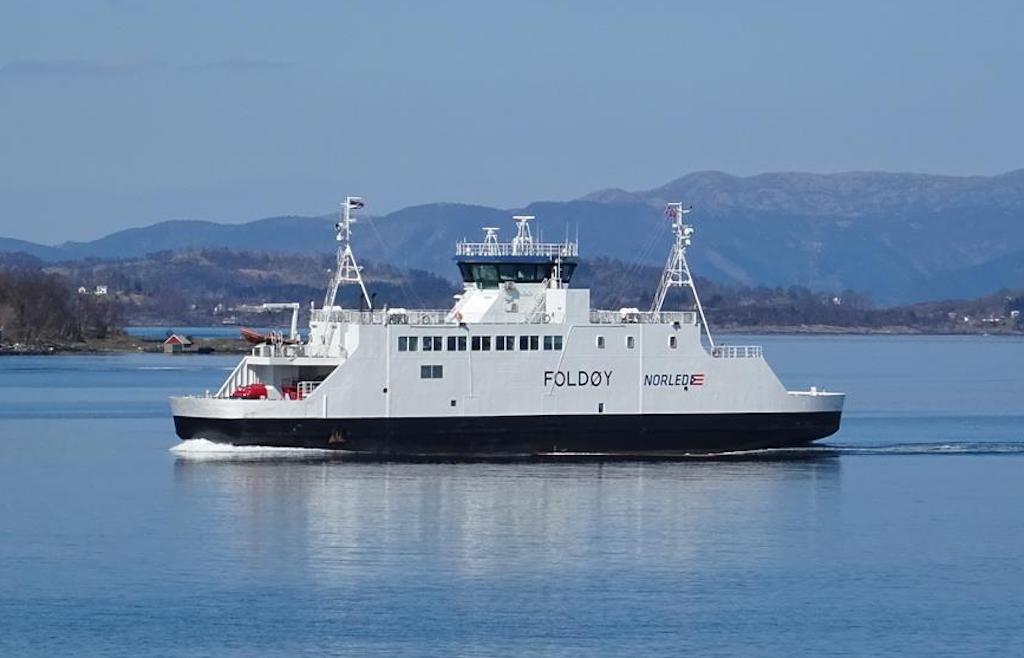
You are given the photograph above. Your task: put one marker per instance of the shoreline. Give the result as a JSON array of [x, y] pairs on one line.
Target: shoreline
[[125, 344]]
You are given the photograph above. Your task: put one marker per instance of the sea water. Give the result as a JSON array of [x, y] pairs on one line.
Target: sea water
[[903, 535]]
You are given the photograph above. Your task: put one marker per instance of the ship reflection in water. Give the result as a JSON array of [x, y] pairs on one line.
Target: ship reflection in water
[[444, 525]]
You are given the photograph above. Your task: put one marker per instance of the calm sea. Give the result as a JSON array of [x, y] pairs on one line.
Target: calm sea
[[905, 537]]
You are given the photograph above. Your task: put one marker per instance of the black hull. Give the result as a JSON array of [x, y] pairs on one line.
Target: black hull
[[522, 436]]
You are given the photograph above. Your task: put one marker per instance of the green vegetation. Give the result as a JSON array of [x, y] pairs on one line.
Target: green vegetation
[[39, 307]]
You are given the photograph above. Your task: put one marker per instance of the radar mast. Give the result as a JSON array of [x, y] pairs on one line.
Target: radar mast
[[677, 270], [524, 239], [346, 270]]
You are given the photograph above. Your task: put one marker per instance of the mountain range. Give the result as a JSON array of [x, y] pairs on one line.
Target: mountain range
[[898, 237]]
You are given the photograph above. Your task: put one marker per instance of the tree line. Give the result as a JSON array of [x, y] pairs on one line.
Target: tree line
[[38, 307]]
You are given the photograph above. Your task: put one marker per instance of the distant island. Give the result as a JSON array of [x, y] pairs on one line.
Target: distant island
[[846, 252], [84, 304]]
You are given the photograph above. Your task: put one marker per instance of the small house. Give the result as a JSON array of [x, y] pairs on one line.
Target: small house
[[176, 344]]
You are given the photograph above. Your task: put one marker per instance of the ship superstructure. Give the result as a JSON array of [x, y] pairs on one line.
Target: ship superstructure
[[519, 366]]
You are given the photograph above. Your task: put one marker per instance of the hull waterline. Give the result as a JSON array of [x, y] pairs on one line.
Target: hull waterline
[[522, 436]]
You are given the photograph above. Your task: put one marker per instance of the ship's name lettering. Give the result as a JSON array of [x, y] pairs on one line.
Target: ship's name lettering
[[577, 378], [685, 379]]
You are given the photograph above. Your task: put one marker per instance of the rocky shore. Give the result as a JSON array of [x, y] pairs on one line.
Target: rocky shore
[[123, 345]]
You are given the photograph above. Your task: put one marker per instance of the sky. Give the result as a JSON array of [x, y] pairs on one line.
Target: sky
[[128, 112]]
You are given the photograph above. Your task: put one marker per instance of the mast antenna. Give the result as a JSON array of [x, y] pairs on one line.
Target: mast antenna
[[522, 243], [346, 270], [677, 270]]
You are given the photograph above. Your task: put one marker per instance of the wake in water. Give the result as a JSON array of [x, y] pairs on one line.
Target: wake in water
[[202, 449], [944, 448]]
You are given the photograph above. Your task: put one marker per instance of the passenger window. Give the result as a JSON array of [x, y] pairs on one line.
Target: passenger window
[[549, 343], [672, 342], [413, 340], [524, 343], [403, 343], [630, 342], [437, 344], [558, 343], [486, 343], [428, 344], [431, 372], [600, 342], [451, 343], [534, 342], [462, 343]]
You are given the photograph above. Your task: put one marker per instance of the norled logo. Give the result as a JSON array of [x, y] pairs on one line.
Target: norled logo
[[677, 379]]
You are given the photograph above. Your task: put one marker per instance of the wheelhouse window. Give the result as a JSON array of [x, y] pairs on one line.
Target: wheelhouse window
[[492, 273], [534, 342], [408, 343], [504, 343], [481, 343], [432, 344]]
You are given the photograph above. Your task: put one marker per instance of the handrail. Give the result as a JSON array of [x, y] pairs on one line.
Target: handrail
[[439, 317], [737, 352], [633, 316], [548, 249]]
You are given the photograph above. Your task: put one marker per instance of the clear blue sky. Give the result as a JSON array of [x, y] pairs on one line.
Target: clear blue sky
[[123, 113]]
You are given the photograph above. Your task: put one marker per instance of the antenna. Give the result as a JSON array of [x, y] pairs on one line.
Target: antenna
[[523, 240], [677, 270], [346, 270], [491, 247]]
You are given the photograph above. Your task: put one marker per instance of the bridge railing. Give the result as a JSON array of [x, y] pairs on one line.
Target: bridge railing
[[634, 316], [737, 352]]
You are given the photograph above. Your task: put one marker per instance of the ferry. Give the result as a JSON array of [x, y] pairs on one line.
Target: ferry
[[519, 367]]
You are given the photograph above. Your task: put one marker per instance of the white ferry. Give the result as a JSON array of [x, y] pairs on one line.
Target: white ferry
[[519, 367]]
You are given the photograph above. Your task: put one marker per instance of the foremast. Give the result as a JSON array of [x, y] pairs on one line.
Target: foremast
[[346, 270], [677, 270]]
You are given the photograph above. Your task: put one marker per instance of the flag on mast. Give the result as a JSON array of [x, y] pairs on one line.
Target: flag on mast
[[356, 202]]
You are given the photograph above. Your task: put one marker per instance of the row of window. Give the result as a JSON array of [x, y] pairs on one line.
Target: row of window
[[478, 343], [497, 343]]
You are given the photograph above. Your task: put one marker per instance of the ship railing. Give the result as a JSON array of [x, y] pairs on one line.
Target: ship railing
[[383, 316], [285, 350], [546, 249], [305, 388], [634, 316], [737, 352]]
